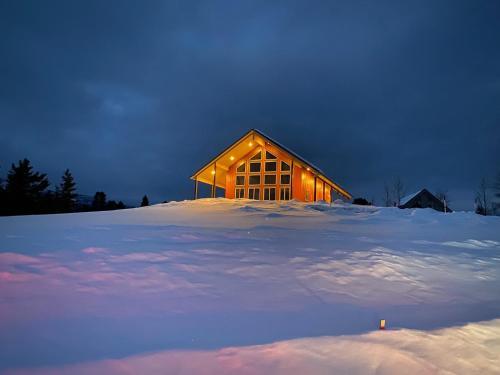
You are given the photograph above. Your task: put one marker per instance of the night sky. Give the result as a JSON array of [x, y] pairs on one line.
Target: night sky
[[134, 96]]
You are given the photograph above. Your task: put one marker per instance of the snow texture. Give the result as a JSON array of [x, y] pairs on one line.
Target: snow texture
[[223, 286]]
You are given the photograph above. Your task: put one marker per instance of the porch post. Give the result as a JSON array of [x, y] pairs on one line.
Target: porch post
[[196, 188], [314, 188], [323, 190], [213, 185], [291, 182]]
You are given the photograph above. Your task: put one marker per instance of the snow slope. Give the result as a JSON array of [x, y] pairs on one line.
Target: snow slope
[[223, 286]]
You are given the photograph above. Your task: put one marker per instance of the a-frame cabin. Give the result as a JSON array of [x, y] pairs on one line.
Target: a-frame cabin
[[258, 167]]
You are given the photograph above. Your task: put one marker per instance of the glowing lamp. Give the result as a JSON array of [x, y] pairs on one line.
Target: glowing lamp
[[382, 324], [308, 169], [231, 158], [213, 172], [250, 144]]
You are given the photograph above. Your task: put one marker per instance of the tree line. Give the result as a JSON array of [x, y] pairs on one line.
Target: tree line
[[26, 192]]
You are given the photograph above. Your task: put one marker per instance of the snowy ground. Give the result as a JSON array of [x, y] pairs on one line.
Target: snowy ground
[[218, 286]]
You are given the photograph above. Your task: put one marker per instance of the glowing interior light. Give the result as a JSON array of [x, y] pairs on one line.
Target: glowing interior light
[[213, 172], [308, 169], [231, 158], [250, 144], [382, 323]]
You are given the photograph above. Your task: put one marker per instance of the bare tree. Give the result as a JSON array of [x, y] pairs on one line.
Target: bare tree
[[399, 190], [444, 197], [387, 195], [496, 188], [482, 198]]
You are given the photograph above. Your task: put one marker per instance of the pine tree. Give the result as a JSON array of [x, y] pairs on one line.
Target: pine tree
[[25, 189], [99, 202], [66, 195], [145, 201]]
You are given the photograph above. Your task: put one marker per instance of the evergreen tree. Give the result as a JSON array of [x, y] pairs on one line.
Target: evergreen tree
[[145, 201], [2, 198], [99, 202], [65, 193], [25, 190]]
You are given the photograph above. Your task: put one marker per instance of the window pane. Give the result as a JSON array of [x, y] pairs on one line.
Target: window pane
[[284, 166], [270, 179], [240, 193], [285, 194], [254, 180], [254, 167], [285, 179], [270, 166], [253, 193], [269, 155], [257, 156], [241, 168], [240, 180], [270, 194]]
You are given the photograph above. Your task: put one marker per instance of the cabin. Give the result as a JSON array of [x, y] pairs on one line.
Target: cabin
[[257, 167], [424, 199]]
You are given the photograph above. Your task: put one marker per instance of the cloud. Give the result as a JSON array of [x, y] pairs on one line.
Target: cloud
[[149, 90]]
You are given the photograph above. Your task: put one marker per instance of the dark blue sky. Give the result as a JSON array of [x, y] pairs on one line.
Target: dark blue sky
[[134, 96]]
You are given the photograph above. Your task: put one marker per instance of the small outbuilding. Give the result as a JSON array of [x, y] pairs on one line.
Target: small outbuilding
[[424, 199], [256, 166]]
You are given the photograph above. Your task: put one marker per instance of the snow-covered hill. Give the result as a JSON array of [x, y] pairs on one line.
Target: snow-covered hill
[[221, 286]]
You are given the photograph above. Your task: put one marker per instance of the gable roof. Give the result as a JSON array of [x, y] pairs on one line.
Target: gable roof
[[409, 197], [252, 135]]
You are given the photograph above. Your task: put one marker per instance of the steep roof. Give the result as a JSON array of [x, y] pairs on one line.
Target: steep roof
[[409, 197], [223, 160]]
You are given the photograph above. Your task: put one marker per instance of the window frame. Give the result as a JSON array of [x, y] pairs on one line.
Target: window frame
[[236, 180], [241, 190], [269, 189], [271, 175], [250, 179], [254, 190], [269, 170]]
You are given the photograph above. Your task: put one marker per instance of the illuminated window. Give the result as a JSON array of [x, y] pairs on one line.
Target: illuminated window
[[257, 156], [270, 194], [254, 180], [285, 194], [253, 193], [240, 180], [241, 168], [285, 179], [270, 179], [285, 166], [254, 167], [270, 166], [269, 155], [239, 193]]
